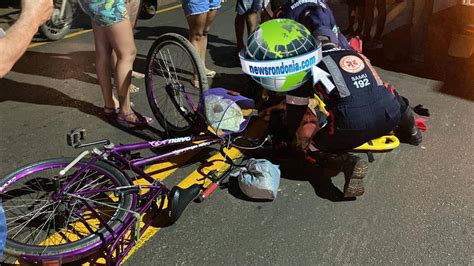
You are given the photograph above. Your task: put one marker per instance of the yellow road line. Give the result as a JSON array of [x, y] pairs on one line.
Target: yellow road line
[[74, 34], [159, 171], [70, 35], [216, 162], [168, 9]]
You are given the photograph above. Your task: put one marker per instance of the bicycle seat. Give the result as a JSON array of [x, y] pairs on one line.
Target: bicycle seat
[[180, 198], [225, 111]]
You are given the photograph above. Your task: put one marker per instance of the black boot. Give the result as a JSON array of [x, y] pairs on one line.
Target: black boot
[[354, 168], [407, 131]]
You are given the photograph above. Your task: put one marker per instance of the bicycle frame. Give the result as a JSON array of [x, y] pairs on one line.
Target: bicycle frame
[[120, 240]]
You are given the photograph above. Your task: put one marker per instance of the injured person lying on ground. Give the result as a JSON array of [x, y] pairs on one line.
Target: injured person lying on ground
[[359, 107]]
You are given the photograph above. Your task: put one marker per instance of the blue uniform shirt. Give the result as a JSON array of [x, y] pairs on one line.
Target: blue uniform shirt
[[322, 19]]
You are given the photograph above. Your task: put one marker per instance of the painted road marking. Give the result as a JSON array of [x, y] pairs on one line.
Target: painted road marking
[[70, 35], [215, 162], [74, 34], [159, 171]]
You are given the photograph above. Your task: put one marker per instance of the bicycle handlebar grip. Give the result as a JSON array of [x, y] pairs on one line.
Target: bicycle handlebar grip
[[208, 191]]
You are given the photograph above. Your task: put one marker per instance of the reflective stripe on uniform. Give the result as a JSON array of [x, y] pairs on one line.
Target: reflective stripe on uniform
[[337, 76], [295, 100], [376, 75]]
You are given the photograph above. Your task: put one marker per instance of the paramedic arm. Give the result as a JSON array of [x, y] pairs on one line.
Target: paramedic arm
[[18, 37]]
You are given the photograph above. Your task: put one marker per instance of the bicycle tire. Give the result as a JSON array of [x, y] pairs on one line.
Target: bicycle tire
[[169, 82], [72, 250], [54, 32]]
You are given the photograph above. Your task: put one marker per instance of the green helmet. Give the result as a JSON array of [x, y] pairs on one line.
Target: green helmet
[[280, 55]]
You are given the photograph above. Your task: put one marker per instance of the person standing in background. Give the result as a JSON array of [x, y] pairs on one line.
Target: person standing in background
[[113, 33], [15, 41], [200, 14], [370, 6], [246, 16], [356, 10]]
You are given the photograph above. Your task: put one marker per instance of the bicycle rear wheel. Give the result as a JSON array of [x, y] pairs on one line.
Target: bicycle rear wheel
[[175, 80], [43, 223]]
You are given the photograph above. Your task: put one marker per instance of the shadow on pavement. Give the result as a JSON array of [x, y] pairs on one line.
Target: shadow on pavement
[[151, 33], [319, 178], [10, 17], [224, 56], [221, 50], [37, 94], [73, 65], [241, 83]]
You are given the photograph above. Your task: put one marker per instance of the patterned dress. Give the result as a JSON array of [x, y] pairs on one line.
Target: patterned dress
[[105, 12]]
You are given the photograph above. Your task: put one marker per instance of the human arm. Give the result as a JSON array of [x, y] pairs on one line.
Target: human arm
[[18, 37]]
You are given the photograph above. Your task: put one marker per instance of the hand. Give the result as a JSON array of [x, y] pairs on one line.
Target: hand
[[36, 11], [265, 114]]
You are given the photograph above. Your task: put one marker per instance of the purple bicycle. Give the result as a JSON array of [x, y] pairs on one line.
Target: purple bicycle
[[65, 209]]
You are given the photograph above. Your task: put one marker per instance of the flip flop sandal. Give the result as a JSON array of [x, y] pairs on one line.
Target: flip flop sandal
[[109, 113], [133, 89], [210, 73], [137, 75], [141, 121]]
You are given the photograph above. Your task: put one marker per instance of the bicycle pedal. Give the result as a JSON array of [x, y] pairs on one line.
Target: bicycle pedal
[[75, 136]]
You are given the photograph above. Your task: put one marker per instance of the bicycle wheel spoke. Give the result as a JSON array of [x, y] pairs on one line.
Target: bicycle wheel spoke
[[176, 95], [40, 215], [28, 214], [44, 224]]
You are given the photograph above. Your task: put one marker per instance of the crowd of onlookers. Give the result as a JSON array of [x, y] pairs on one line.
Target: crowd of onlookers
[[113, 22]]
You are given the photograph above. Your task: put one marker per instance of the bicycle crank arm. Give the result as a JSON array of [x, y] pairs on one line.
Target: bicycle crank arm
[[74, 162]]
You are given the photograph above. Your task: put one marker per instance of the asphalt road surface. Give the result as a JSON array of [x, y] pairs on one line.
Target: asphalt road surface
[[419, 202]]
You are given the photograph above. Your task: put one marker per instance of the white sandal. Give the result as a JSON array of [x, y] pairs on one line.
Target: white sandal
[[133, 89], [137, 75]]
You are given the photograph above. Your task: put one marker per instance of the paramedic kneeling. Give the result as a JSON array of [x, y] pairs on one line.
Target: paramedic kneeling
[[360, 107]]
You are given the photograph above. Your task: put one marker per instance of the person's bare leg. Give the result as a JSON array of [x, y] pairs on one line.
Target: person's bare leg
[[133, 7], [251, 21], [369, 18], [264, 16], [120, 36], [239, 22], [360, 10], [196, 30], [103, 52], [211, 15], [132, 10], [352, 16], [381, 18]]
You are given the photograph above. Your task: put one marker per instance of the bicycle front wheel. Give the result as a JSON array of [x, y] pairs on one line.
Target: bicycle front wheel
[[42, 220], [175, 80], [57, 26]]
